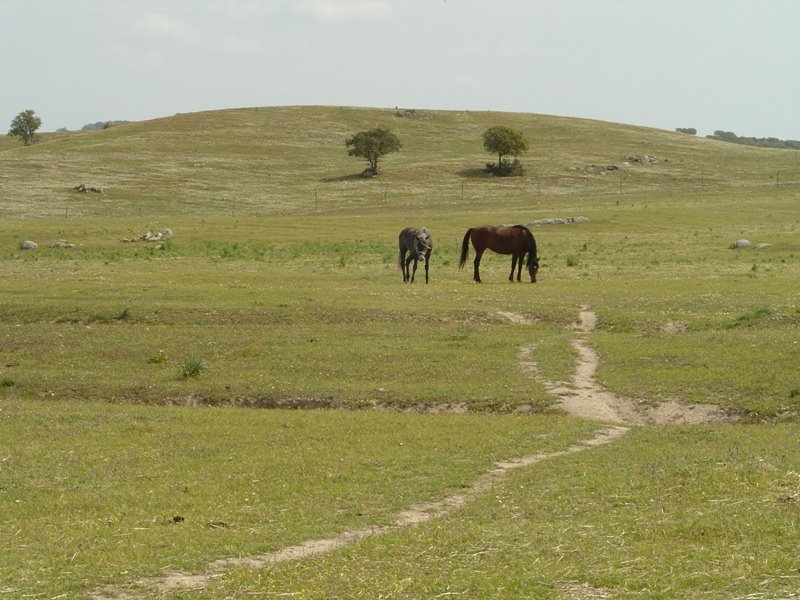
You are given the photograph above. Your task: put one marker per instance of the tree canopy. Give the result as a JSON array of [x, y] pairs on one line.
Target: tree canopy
[[25, 125], [372, 145], [504, 141], [770, 142]]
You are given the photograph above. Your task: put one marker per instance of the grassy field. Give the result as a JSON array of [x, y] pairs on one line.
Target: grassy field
[[122, 364], [292, 160], [308, 310]]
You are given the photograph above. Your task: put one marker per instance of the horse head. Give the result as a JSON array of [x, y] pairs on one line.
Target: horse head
[[423, 244], [533, 267]]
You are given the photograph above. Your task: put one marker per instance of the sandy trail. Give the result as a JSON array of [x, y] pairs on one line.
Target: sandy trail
[[582, 397], [414, 515]]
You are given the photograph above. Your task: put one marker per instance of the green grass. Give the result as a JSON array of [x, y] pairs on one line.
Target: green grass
[[311, 310], [281, 280], [192, 367], [95, 494], [674, 513], [293, 159]]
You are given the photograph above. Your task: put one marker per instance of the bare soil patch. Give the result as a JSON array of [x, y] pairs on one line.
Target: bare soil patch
[[516, 318], [581, 397], [414, 515], [584, 397]]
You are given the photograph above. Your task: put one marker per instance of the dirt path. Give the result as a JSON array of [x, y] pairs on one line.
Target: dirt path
[[584, 397], [414, 515]]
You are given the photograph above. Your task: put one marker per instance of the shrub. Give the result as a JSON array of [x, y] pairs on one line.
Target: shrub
[[192, 367], [506, 168], [750, 317], [157, 358]]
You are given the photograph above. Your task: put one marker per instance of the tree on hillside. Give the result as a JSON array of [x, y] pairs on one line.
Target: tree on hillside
[[372, 145], [25, 125], [504, 141]]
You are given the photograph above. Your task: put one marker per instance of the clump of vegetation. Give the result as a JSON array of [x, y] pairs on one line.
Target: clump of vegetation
[[506, 168], [192, 367], [505, 141], [25, 125], [372, 145], [750, 317], [462, 334], [102, 125], [7, 382], [157, 358], [101, 319], [769, 142]]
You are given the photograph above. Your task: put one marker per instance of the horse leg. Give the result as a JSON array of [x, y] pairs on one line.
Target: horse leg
[[519, 267], [403, 264], [513, 266], [477, 262], [414, 272], [427, 256], [407, 272]]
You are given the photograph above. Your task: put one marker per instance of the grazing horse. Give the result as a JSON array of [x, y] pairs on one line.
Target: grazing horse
[[418, 243], [516, 241]]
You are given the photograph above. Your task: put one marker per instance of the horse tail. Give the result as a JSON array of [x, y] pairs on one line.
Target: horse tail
[[402, 247], [464, 249]]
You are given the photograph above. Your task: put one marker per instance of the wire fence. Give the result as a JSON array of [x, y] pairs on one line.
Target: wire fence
[[390, 191], [601, 181]]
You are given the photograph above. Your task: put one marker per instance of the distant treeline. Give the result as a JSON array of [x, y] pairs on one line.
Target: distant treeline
[[102, 125], [729, 136]]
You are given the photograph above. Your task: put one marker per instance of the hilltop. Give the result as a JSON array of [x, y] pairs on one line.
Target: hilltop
[[292, 160]]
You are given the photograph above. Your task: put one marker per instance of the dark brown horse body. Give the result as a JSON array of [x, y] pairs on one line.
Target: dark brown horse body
[[516, 241], [417, 242]]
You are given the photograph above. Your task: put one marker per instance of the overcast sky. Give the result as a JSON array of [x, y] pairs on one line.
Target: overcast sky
[[709, 64]]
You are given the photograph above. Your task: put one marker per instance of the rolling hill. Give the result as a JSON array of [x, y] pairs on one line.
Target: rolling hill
[[292, 160]]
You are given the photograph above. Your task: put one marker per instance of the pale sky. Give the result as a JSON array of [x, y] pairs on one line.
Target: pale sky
[[709, 64]]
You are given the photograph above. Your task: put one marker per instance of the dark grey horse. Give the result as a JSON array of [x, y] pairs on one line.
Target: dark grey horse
[[417, 242]]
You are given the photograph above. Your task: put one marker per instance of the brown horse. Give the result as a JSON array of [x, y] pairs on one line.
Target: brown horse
[[419, 245], [516, 241]]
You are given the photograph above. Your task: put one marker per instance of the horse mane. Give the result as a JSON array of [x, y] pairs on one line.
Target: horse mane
[[532, 253]]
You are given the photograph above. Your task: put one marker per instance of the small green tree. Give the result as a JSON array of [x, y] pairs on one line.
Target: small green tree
[[372, 145], [504, 141], [25, 125]]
